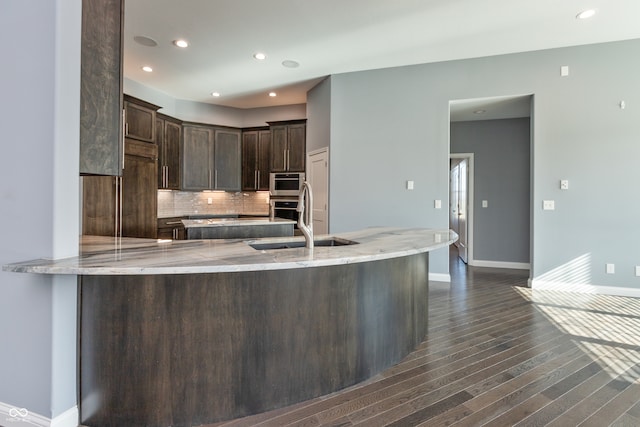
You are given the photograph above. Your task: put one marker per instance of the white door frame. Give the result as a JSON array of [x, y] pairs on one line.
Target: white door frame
[[470, 190]]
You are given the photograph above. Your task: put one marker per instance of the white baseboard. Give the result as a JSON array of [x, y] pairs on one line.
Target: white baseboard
[[584, 288], [501, 264], [439, 277], [69, 418], [13, 416]]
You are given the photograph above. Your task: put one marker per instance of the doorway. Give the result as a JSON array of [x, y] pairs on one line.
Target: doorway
[[495, 137]]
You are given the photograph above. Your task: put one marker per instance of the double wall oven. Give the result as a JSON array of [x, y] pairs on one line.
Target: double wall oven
[[284, 189]]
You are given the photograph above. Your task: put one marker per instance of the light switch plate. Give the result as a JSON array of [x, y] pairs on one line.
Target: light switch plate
[[409, 185], [548, 205], [611, 268], [438, 204], [564, 71], [485, 203], [637, 270]]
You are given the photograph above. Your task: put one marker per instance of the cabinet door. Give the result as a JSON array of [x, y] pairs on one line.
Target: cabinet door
[[161, 152], [227, 158], [172, 144], [264, 159], [249, 160], [101, 88], [297, 145], [139, 190], [99, 205], [197, 155], [278, 149], [140, 122]]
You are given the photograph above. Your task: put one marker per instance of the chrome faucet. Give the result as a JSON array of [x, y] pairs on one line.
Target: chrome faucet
[[305, 222]]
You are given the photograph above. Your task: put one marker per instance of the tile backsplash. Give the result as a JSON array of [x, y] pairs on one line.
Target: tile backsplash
[[180, 203]]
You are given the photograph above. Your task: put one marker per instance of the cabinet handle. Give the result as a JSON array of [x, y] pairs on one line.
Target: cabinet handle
[[284, 159], [125, 131], [173, 222], [209, 178], [258, 180], [166, 176], [255, 179], [288, 160], [215, 181]]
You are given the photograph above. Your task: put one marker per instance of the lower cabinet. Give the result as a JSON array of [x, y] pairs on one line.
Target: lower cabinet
[[124, 206], [171, 228]]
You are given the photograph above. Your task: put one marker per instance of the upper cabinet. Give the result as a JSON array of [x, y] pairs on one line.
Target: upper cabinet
[[288, 146], [210, 158], [140, 119], [169, 141], [101, 139], [256, 158]]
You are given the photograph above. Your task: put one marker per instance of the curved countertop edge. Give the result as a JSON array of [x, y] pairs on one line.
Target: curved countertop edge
[[131, 256]]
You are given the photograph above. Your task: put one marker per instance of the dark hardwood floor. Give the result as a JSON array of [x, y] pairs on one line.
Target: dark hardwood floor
[[498, 354]]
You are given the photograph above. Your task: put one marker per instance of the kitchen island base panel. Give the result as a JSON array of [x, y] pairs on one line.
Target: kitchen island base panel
[[192, 349]]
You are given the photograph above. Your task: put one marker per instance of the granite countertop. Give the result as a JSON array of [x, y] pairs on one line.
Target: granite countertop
[[226, 222], [129, 256]]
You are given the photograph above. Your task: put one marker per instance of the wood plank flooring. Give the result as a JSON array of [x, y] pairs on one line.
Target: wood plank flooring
[[497, 354]]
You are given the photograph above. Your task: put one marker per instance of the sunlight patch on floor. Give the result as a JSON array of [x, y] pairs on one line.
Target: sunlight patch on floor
[[605, 327]]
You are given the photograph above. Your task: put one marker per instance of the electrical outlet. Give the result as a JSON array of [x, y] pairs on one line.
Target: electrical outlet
[[210, 201], [564, 184], [548, 205]]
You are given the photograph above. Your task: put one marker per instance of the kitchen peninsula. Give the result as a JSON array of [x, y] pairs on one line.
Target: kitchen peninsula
[[191, 332]]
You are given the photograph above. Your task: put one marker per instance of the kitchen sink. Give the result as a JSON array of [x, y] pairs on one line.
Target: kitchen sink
[[327, 242]]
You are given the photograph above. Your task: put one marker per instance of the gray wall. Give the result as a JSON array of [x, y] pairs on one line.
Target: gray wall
[[319, 106], [501, 176], [39, 201], [391, 125]]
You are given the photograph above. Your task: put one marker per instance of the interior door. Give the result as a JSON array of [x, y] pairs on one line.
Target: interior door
[[463, 184], [318, 177], [458, 206]]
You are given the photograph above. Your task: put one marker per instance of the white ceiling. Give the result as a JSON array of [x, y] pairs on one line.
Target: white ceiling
[[337, 36]]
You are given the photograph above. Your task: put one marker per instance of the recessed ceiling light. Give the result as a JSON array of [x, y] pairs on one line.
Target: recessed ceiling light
[[215, 94], [479, 111], [586, 14], [147, 69], [272, 94], [181, 43], [290, 63], [145, 41], [260, 56]]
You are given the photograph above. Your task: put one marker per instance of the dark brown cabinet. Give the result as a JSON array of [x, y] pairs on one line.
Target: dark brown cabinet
[[169, 142], [210, 158], [256, 158], [171, 228], [140, 119], [288, 146], [124, 206], [101, 140]]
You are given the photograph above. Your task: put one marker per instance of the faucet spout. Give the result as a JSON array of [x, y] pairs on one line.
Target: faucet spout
[[305, 219]]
